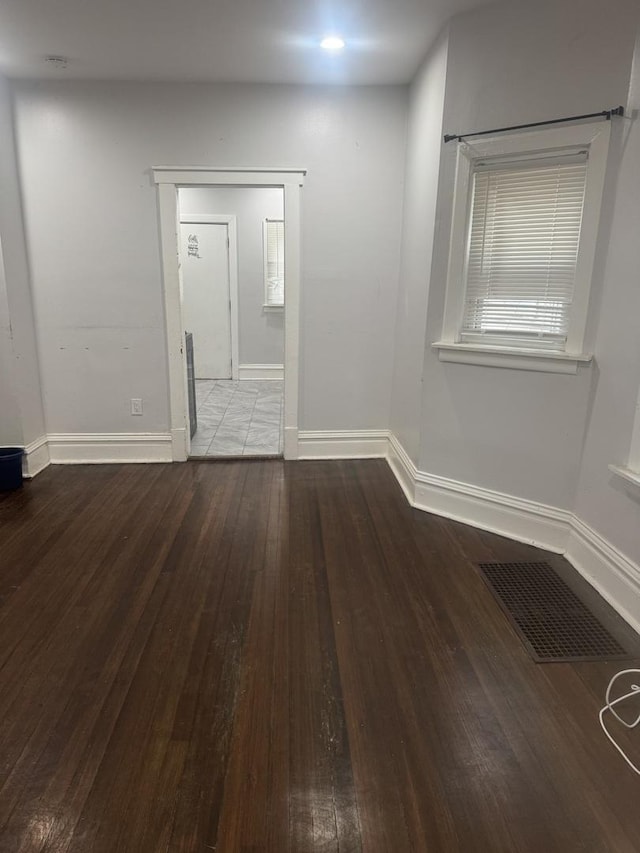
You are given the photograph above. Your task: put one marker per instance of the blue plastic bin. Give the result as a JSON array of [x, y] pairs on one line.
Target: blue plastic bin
[[10, 468]]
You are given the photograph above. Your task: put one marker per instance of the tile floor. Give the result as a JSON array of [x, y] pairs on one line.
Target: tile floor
[[241, 418]]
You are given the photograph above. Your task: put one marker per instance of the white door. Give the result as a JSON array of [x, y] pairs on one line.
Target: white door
[[206, 309]]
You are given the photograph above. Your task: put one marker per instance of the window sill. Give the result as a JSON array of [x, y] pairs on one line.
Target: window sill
[[511, 357], [273, 309], [626, 474]]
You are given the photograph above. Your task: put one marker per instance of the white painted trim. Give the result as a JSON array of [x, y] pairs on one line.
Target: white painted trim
[[634, 450], [520, 519], [293, 273], [177, 360], [511, 357], [290, 443], [608, 570], [36, 457], [631, 471], [180, 443], [99, 448], [626, 474], [344, 444], [257, 176], [230, 220], [612, 573], [523, 520], [261, 371], [403, 467], [169, 179], [597, 136]]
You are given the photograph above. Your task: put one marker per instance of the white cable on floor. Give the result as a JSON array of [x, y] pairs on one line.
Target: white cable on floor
[[635, 691]]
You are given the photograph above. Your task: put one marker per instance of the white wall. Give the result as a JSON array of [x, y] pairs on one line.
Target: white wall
[[21, 417], [514, 431], [424, 140], [261, 333], [10, 426], [605, 502], [85, 153]]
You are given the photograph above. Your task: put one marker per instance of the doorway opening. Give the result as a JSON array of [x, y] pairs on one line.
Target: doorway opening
[[233, 295], [170, 180]]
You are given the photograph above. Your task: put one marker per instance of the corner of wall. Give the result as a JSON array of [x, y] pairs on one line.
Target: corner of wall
[[422, 168], [26, 366]]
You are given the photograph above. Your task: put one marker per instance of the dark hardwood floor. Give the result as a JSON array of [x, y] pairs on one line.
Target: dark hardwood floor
[[270, 656]]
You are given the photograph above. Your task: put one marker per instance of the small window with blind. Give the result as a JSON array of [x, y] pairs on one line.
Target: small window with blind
[[524, 236], [526, 210], [274, 264]]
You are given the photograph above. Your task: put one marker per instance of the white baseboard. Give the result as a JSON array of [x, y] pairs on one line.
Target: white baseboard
[[290, 443], [611, 573], [525, 521], [79, 448], [179, 444], [261, 371], [36, 457], [405, 471], [345, 444], [517, 518]]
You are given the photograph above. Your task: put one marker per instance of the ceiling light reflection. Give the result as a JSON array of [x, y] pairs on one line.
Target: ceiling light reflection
[[332, 43]]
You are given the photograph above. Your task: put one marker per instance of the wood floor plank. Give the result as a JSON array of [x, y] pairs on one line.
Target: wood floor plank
[[285, 658], [258, 769], [323, 810]]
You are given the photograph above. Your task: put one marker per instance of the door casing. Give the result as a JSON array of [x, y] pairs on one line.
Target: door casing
[[169, 179]]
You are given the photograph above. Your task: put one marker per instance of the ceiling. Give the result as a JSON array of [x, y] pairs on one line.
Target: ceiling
[[221, 40]]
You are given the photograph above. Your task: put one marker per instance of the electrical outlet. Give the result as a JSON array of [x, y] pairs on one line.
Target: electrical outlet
[[136, 406]]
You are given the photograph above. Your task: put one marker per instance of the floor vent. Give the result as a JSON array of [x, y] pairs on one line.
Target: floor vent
[[553, 623]]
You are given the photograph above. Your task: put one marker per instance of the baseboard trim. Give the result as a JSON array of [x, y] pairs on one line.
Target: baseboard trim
[[261, 371], [98, 448], [402, 466], [517, 518], [179, 445], [36, 457], [608, 570], [525, 521], [344, 444], [290, 443]]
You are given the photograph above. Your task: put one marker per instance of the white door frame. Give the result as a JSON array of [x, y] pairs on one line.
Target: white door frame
[[169, 179], [232, 233]]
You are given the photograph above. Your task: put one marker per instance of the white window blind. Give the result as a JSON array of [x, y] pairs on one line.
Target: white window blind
[[523, 240], [274, 262]]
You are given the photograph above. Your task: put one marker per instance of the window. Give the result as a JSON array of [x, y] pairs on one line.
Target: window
[[525, 222], [273, 264]]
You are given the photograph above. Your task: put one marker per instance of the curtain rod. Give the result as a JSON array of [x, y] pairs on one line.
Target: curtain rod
[[616, 111]]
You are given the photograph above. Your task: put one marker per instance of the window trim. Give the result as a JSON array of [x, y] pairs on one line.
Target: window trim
[[630, 472], [267, 306], [595, 137]]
